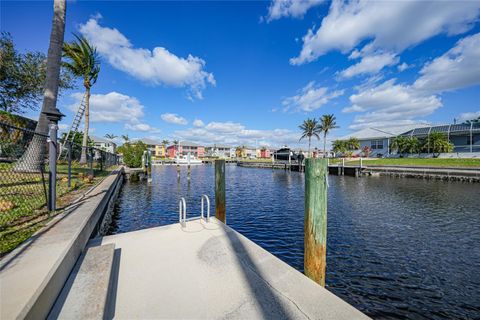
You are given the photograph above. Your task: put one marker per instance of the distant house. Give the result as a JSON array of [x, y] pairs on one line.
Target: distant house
[[104, 144], [263, 153], [184, 148], [220, 151], [160, 151], [248, 152], [151, 144], [378, 140]]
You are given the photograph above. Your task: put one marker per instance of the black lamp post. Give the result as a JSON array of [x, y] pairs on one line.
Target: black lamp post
[[53, 116]]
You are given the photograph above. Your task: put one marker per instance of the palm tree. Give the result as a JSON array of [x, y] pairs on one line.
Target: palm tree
[[125, 138], [327, 123], [353, 144], [165, 142], [309, 129], [83, 61], [437, 142], [110, 136], [33, 158]]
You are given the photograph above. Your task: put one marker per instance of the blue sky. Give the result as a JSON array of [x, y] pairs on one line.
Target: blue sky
[[251, 72]]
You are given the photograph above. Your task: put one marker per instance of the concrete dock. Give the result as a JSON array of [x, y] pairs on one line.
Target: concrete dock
[[209, 271]]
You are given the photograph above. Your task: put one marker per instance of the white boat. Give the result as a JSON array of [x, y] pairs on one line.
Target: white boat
[[187, 160]]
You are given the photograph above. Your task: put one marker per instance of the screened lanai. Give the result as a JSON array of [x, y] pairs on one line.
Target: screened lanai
[[465, 137]]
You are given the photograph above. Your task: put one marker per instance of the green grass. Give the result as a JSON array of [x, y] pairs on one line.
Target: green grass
[[428, 162], [24, 195]]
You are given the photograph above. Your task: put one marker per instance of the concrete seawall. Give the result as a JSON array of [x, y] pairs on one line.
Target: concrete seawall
[[446, 174], [33, 274], [434, 173]]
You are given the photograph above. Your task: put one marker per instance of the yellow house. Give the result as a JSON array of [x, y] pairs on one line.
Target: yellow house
[[160, 151]]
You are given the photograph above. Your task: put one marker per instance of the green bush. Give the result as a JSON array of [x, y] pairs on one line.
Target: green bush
[[132, 153]]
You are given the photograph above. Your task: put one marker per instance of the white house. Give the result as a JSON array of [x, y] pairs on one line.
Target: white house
[[104, 144]]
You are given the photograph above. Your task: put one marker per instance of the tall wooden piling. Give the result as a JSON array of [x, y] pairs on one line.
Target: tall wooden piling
[[178, 171], [315, 226], [220, 203], [188, 172]]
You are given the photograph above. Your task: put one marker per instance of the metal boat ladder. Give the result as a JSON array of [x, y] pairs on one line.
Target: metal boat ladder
[[182, 211]]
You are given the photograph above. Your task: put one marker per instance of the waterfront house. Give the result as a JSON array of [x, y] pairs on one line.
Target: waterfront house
[[184, 148], [104, 144], [220, 151], [160, 151], [378, 140], [263, 153], [247, 152], [151, 144]]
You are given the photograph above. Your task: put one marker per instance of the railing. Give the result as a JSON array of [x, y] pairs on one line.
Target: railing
[[182, 211]]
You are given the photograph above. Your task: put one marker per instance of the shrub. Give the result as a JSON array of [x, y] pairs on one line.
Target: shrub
[[133, 153]]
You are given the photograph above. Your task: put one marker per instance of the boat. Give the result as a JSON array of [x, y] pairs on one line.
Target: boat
[[285, 154], [187, 160]]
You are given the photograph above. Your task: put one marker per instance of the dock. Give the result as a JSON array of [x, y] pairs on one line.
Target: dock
[[204, 270]]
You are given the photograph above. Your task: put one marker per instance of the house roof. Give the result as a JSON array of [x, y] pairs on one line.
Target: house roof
[[223, 146], [190, 144], [102, 140], [149, 141], [452, 128], [378, 133]]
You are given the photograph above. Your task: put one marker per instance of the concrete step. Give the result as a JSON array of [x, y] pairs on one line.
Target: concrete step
[[86, 292]]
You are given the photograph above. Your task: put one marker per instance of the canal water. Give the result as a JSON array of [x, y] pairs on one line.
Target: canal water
[[397, 248]]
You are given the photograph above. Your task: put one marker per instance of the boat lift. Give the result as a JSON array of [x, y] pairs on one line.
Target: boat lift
[[182, 211]]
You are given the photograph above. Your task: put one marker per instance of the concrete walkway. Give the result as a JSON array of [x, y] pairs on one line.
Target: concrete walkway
[[209, 271]]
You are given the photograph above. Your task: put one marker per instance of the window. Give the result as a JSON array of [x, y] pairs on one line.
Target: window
[[376, 144]]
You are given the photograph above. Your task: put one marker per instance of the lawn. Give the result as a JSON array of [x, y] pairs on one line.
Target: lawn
[[23, 202], [415, 162]]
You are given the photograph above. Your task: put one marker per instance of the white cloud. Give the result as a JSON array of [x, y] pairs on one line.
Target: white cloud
[[198, 123], [143, 127], [389, 25], [111, 107], [391, 104], [235, 134], [468, 116], [370, 64], [310, 98], [395, 104], [457, 68], [174, 118], [157, 66], [63, 126], [402, 67], [290, 8]]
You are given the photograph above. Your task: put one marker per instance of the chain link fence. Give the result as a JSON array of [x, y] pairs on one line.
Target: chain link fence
[[24, 179]]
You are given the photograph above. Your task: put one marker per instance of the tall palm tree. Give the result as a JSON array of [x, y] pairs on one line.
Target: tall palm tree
[[165, 142], [125, 138], [33, 157], [83, 61], [327, 123], [309, 129], [110, 136]]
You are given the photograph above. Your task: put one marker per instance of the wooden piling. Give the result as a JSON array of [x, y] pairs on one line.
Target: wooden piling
[[315, 226], [220, 203], [178, 171], [188, 172]]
